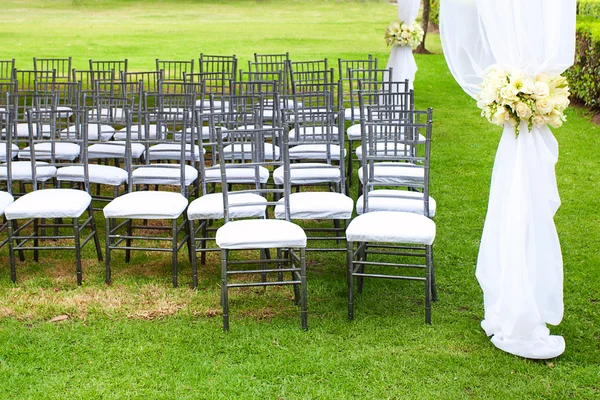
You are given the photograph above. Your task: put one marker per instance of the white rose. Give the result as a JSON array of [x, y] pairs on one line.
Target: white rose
[[539, 120], [541, 89], [560, 102], [405, 35], [555, 119], [498, 81], [507, 93], [488, 96], [528, 86], [523, 111], [544, 106], [501, 116]]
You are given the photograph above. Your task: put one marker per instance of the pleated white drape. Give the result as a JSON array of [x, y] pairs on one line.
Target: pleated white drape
[[519, 266], [401, 58]]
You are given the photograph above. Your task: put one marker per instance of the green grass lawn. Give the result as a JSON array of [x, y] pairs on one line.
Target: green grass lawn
[[140, 338]]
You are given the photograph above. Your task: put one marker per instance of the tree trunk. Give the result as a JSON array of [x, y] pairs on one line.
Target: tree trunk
[[424, 24]]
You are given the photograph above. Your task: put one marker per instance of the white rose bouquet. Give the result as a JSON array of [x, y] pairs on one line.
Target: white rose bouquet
[[508, 96], [401, 34]]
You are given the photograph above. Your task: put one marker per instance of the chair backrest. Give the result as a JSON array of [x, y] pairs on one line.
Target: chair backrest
[[150, 79], [69, 94], [48, 128], [250, 144], [26, 78], [374, 78], [271, 58], [118, 66], [393, 98], [88, 79], [6, 69], [174, 69], [308, 66], [404, 146], [6, 88], [108, 109], [24, 100], [168, 126], [61, 66], [6, 118], [369, 63], [219, 63]]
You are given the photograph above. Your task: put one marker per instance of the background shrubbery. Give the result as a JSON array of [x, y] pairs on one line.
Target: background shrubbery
[[583, 75]]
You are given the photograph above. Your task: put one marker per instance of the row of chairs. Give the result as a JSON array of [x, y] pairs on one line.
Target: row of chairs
[[392, 133]]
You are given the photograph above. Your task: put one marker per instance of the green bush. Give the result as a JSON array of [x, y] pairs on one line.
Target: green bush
[[434, 12], [589, 8], [582, 76]]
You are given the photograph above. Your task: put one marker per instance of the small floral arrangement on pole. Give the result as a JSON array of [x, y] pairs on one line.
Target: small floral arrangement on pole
[[508, 96], [402, 34]]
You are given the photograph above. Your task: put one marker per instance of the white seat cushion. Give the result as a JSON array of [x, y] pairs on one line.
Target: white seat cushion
[[353, 132], [121, 134], [309, 173], [62, 151], [210, 206], [396, 200], [172, 151], [103, 174], [21, 171], [117, 114], [96, 132], [315, 152], [114, 150], [23, 130], [387, 149], [5, 200], [219, 105], [49, 203], [14, 148], [391, 227], [260, 234], [317, 205], [314, 133], [237, 150], [64, 111], [236, 175], [396, 173], [147, 205], [204, 131], [163, 175], [352, 114]]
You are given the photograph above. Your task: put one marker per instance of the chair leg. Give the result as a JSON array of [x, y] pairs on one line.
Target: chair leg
[[350, 277], [192, 251], [21, 253], [36, 234], [174, 252], [362, 256], [76, 235], [11, 252], [434, 295], [224, 294], [108, 245], [204, 233], [95, 232], [428, 270], [303, 300], [128, 241]]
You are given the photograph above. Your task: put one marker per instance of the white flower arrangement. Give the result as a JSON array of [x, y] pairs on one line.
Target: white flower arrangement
[[508, 96], [402, 34]]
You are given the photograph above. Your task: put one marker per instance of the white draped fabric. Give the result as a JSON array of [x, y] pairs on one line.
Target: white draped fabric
[[520, 265], [401, 58]]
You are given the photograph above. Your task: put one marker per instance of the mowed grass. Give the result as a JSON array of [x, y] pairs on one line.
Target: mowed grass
[[141, 338]]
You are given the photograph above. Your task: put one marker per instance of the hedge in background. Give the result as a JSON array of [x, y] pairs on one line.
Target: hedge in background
[[583, 75], [589, 8]]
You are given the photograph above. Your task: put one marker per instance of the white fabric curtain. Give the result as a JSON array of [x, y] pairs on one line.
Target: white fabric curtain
[[520, 265], [401, 58]]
